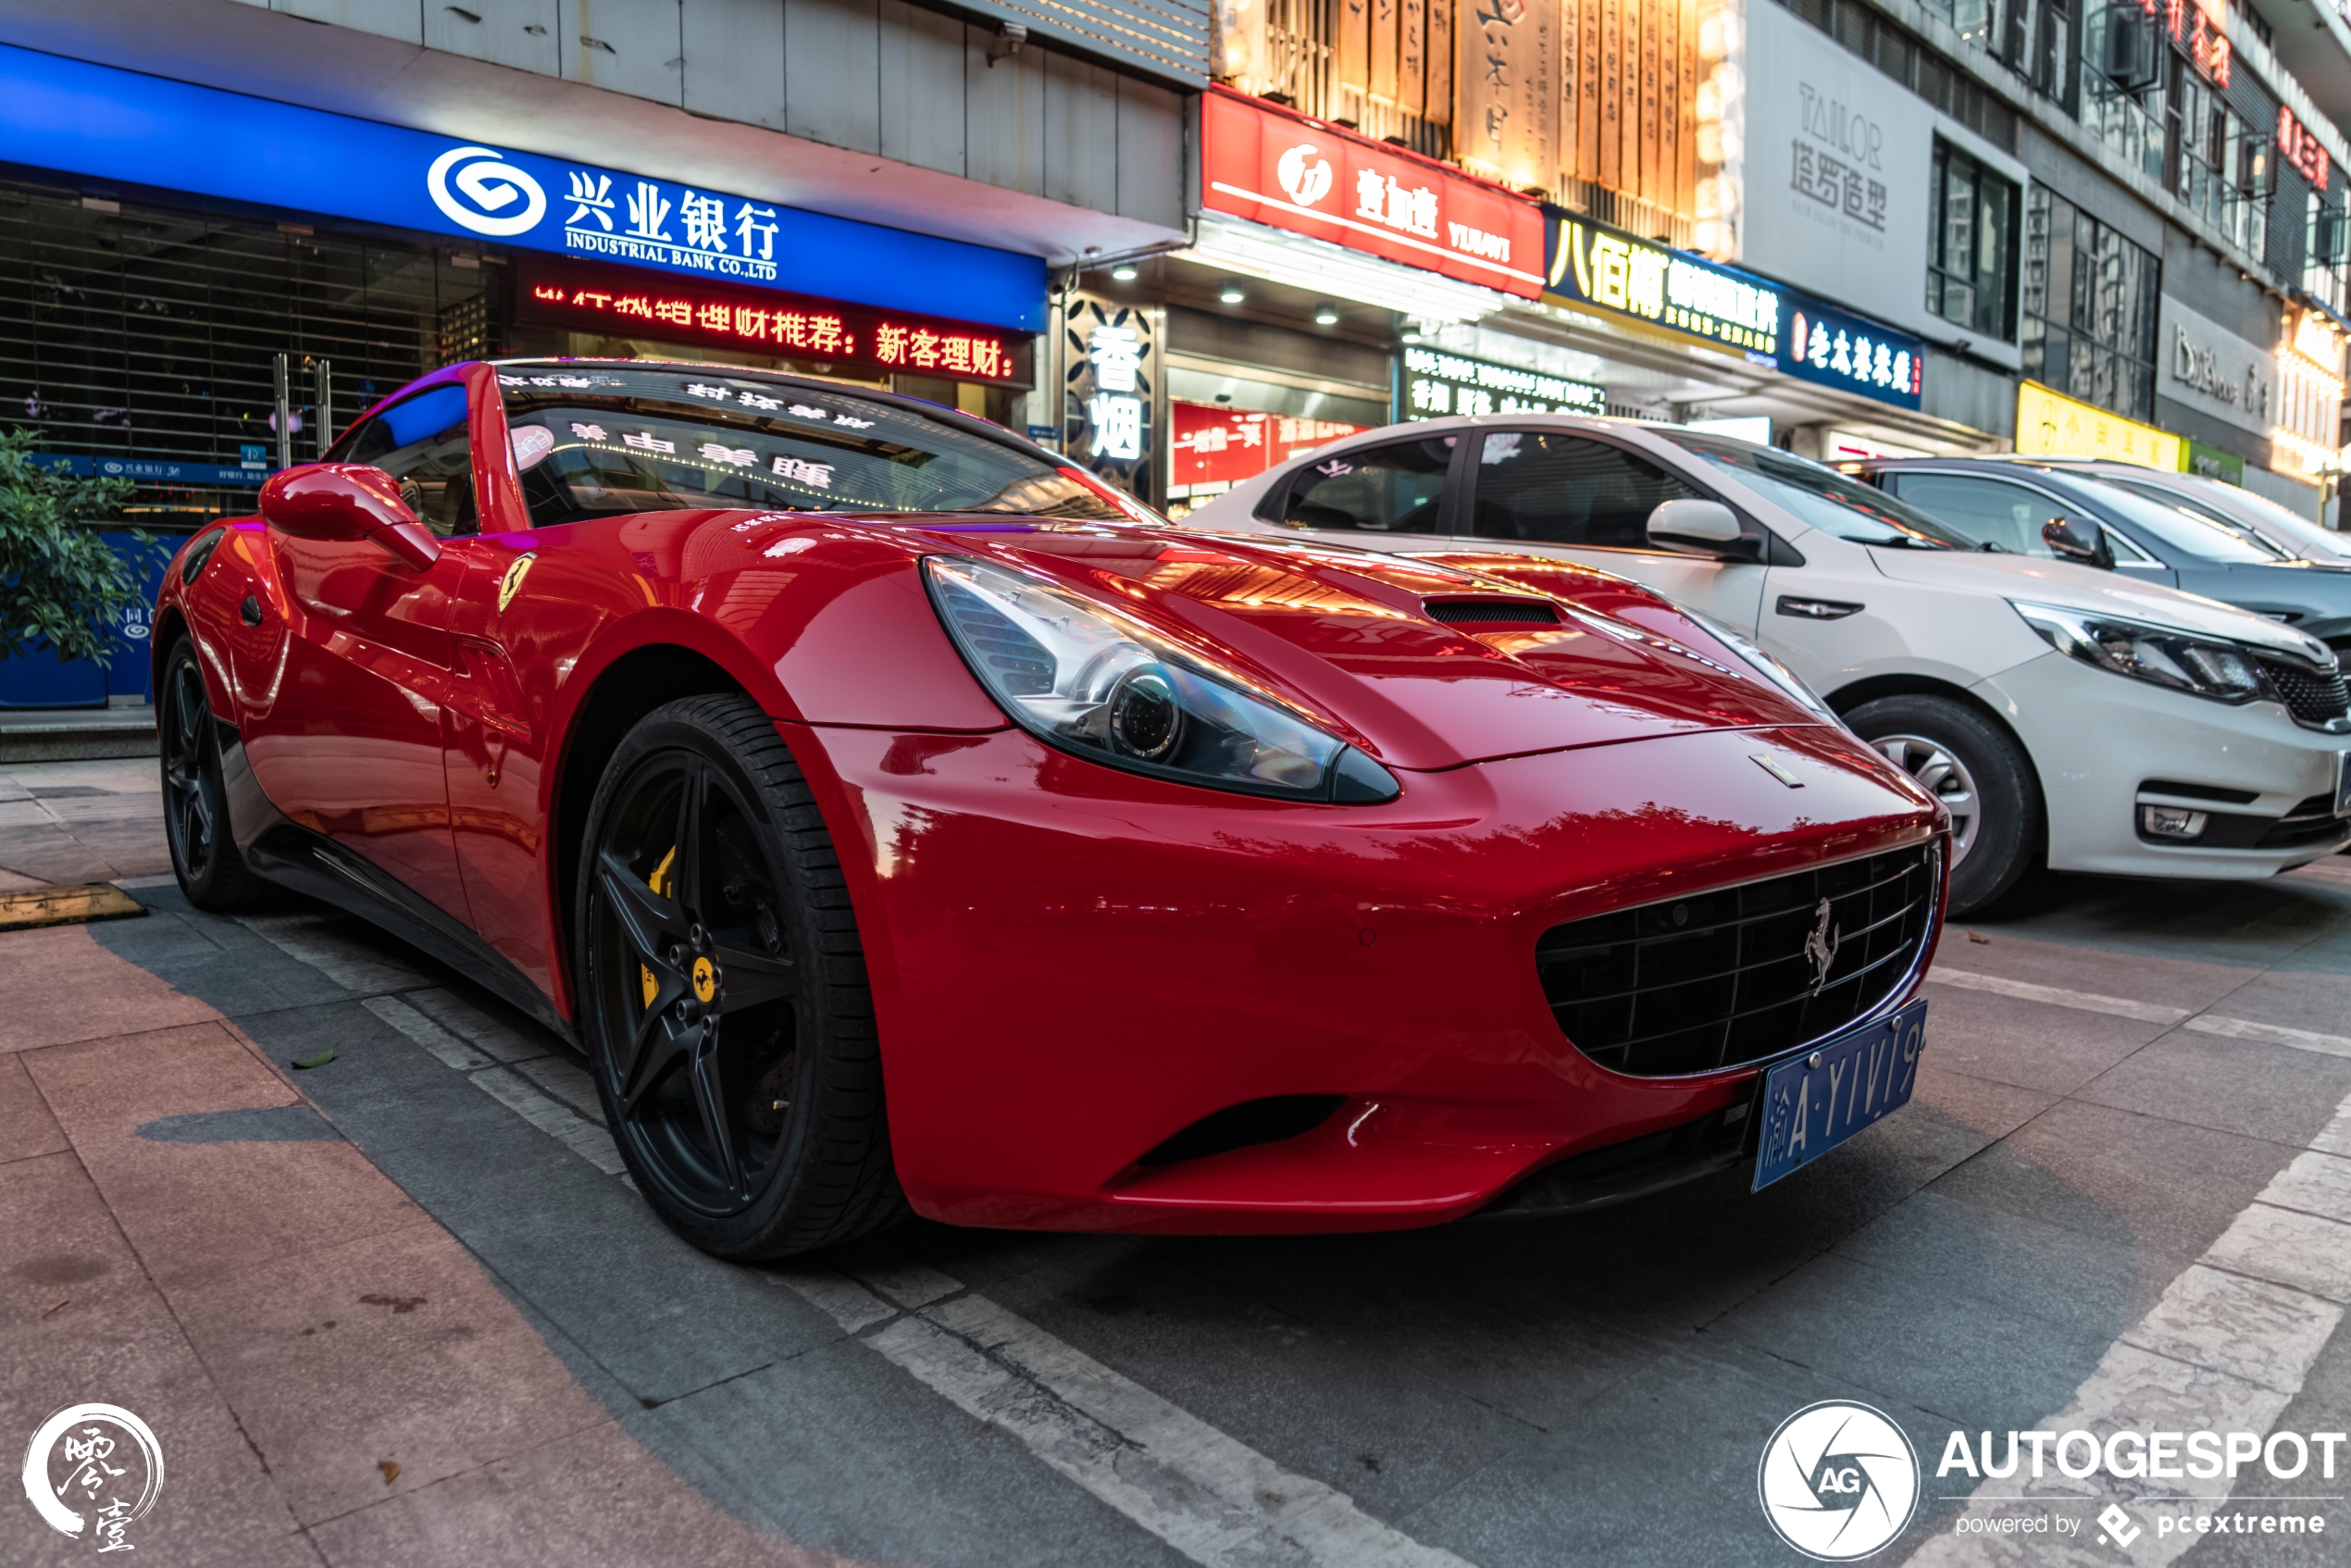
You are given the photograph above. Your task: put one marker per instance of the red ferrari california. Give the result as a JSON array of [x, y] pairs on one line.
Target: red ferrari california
[[897, 818]]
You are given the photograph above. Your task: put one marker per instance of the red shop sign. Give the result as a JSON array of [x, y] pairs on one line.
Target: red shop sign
[[1299, 174], [623, 300], [1212, 445]]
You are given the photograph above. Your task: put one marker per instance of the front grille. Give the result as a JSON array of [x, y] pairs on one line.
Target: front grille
[[2310, 699], [1492, 611], [1723, 978]]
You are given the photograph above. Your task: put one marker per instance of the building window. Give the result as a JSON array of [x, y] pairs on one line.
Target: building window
[[1971, 246], [2221, 165], [2089, 307]]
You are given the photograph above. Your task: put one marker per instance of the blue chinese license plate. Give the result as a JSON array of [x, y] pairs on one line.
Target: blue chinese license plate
[[1811, 1103]]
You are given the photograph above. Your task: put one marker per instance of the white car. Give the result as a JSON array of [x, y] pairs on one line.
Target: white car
[[2061, 713]]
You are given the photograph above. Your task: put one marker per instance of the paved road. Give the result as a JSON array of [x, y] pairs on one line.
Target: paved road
[[2121, 1198]]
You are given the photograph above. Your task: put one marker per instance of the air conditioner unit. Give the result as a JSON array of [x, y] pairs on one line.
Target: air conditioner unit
[[2331, 237], [2132, 56]]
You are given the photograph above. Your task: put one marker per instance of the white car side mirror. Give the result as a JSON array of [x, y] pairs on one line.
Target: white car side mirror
[[1705, 528]]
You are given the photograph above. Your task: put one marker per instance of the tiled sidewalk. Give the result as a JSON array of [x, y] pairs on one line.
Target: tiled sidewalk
[[182, 1235], [81, 822]]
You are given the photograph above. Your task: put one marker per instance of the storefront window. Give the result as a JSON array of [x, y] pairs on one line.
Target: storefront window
[[152, 335], [2089, 307], [1970, 266]]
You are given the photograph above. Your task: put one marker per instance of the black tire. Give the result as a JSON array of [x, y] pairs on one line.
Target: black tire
[[727, 1012], [204, 857], [1992, 783]]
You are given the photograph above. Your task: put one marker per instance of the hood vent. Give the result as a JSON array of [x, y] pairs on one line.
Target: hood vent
[[1493, 612]]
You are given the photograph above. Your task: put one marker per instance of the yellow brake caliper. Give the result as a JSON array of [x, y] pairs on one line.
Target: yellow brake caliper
[[661, 874]]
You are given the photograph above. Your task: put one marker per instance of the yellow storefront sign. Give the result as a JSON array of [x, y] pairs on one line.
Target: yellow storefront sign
[[2051, 424]]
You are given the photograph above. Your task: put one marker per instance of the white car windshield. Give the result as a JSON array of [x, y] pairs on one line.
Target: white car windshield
[[2292, 534], [1821, 497], [2188, 531]]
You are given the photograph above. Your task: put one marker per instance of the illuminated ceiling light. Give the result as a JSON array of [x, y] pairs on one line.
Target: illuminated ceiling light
[[1255, 251], [1231, 296], [1327, 316], [1123, 272]]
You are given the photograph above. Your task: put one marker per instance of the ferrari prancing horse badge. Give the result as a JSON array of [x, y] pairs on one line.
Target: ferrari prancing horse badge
[[511, 584]]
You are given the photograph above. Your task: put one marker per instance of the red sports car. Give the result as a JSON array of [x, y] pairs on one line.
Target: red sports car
[[899, 818]]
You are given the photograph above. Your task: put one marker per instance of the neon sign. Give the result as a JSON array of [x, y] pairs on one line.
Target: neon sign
[[2302, 149], [757, 320]]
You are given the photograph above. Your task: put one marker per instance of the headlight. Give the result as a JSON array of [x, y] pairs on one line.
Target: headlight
[[1082, 677], [2185, 661], [1766, 664]]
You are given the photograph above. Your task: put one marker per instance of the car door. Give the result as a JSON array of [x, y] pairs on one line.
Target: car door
[[1563, 493], [351, 746], [2008, 516], [496, 758]]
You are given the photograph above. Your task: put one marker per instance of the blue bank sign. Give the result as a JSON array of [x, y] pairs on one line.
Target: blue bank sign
[[119, 126]]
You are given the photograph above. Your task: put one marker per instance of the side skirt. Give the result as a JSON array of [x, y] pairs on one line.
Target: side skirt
[[309, 862]]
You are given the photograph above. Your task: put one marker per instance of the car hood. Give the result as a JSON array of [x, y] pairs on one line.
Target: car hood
[[1356, 637], [2070, 585]]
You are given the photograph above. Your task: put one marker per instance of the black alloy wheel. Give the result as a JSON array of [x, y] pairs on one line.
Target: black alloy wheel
[[724, 993], [204, 857]]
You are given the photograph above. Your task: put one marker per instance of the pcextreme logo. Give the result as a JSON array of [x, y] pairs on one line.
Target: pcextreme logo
[[1838, 1481]]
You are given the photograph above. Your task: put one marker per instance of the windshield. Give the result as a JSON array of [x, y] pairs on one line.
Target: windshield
[[591, 440], [1823, 497], [2187, 530], [2295, 535]]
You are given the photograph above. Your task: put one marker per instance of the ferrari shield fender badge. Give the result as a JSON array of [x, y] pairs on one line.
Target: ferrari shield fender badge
[[511, 584]]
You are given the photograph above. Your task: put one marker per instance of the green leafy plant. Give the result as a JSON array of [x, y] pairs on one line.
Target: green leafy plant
[[61, 586]]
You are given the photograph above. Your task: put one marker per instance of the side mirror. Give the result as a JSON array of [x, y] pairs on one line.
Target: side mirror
[[1704, 528], [2071, 539], [344, 503]]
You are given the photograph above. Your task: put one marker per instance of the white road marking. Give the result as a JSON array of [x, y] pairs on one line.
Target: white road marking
[[587, 1139], [2271, 1033], [2057, 996], [1214, 1499], [446, 1048], [2225, 1349], [350, 964], [1211, 1498], [485, 1032]]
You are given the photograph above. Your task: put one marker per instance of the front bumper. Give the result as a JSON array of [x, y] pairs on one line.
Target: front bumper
[[2096, 738], [1070, 965]]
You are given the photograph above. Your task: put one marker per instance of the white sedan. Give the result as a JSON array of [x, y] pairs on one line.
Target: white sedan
[[2062, 713]]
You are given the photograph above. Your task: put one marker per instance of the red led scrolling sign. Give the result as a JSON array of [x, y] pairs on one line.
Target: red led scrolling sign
[[1299, 174], [625, 301]]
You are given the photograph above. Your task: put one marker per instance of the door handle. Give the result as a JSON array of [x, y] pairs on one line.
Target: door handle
[[250, 611]]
